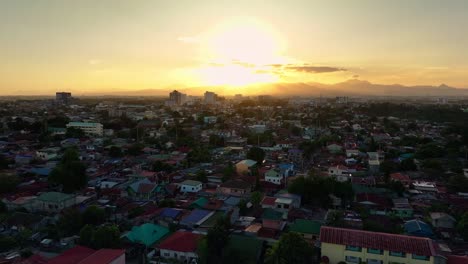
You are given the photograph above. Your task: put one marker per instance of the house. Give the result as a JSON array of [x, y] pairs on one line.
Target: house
[[147, 234], [88, 128], [274, 177], [295, 156], [334, 148], [273, 219], [84, 255], [286, 169], [425, 186], [309, 229], [196, 218], [402, 208], [236, 187], [356, 246], [418, 228], [442, 220], [400, 177], [191, 186], [143, 189], [47, 153], [340, 172], [352, 153], [244, 167], [181, 246], [54, 201]]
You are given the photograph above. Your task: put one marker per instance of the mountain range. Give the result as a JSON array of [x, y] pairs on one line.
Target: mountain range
[[351, 87]]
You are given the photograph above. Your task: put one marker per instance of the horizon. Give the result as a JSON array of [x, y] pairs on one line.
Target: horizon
[[124, 47]]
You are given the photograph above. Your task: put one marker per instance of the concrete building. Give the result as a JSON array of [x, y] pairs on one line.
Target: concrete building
[[88, 128], [357, 246], [63, 97], [210, 97], [191, 186], [177, 98]]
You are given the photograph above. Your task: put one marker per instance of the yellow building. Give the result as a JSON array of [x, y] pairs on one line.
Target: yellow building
[[357, 246]]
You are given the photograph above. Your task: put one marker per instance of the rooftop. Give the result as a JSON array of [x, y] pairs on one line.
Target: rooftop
[[366, 239]]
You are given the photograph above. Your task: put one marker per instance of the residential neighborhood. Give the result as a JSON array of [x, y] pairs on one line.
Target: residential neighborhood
[[186, 179]]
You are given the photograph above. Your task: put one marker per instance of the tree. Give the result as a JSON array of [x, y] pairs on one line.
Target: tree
[[257, 154], [107, 236], [135, 149], [462, 226], [73, 132], [70, 222], [408, 165], [94, 215], [86, 235], [70, 173], [166, 203], [256, 198], [291, 248], [228, 172], [216, 141], [397, 187], [458, 183], [211, 248], [199, 155], [8, 182], [162, 166], [115, 152], [4, 162], [201, 176], [429, 150]]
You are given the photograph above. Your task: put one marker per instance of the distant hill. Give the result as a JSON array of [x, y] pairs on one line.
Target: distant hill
[[348, 88]]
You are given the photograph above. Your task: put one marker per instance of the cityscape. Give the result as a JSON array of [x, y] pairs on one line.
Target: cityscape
[[126, 137]]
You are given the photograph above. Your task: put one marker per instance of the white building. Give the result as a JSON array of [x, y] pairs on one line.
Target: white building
[[210, 97], [88, 127], [341, 173], [191, 186], [274, 177], [47, 154]]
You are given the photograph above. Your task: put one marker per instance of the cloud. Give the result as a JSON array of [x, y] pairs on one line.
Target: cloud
[[355, 76], [188, 39], [314, 69]]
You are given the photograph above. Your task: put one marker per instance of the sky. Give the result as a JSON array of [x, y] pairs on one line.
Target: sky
[[90, 46]]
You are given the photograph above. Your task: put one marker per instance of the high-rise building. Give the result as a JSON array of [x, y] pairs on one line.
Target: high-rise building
[[177, 98], [210, 97], [63, 97]]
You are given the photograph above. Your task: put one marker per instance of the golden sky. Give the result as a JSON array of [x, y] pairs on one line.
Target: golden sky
[[91, 46]]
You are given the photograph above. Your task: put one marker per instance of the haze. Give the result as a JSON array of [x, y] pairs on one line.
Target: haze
[[110, 46]]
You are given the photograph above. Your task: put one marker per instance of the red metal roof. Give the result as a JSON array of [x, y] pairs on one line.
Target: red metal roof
[[268, 200], [181, 242], [103, 256], [73, 255], [366, 239], [457, 259]]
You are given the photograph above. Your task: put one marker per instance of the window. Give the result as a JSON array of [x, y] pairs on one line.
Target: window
[[352, 248], [193, 188], [420, 257], [397, 254], [286, 206], [374, 261], [167, 254], [375, 251], [352, 259]]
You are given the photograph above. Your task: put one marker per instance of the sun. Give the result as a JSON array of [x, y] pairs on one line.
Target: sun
[[239, 52]]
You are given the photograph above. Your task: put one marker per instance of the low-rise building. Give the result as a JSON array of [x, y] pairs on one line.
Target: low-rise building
[[191, 186], [88, 128], [356, 246]]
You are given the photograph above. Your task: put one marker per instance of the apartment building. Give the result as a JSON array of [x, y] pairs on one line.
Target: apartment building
[[88, 127], [357, 246]]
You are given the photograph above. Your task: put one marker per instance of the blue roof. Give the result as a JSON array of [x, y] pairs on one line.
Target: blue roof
[[233, 201], [285, 166], [195, 216], [40, 171], [418, 228], [170, 212]]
